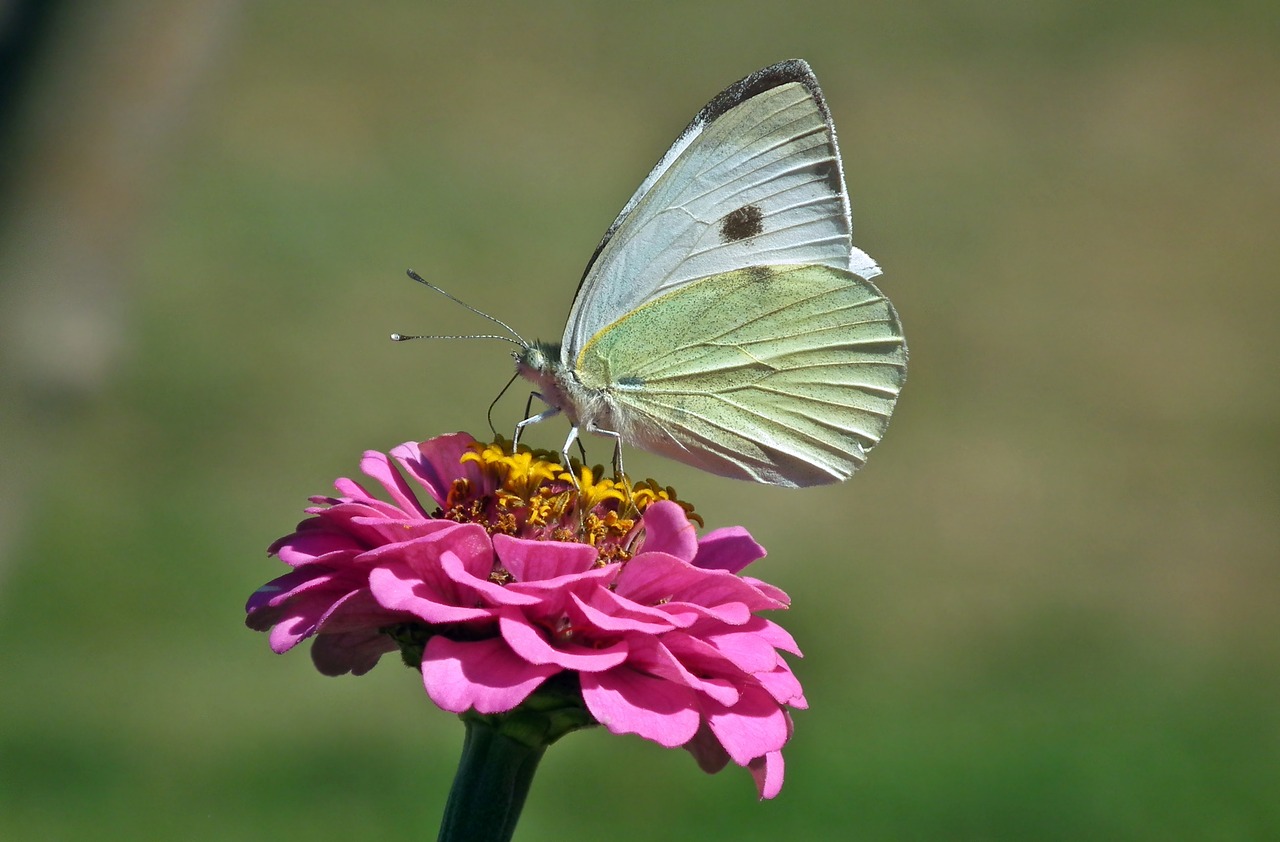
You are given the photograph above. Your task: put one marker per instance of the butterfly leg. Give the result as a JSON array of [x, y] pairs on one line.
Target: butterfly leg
[[564, 454], [617, 445], [549, 412], [618, 470]]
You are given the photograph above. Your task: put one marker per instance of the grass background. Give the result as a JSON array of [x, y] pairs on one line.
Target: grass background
[[1047, 609]]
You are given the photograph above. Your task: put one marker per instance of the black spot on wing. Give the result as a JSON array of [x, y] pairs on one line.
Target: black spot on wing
[[631, 381], [746, 221]]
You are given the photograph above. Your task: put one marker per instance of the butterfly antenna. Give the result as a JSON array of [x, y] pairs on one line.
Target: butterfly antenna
[[405, 337], [519, 340]]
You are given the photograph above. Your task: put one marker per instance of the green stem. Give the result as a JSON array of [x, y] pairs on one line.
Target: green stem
[[493, 779]]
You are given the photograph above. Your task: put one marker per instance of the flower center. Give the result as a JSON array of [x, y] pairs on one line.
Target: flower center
[[529, 494]]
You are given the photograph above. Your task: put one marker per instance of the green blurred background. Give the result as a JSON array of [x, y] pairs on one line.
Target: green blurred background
[[1047, 609]]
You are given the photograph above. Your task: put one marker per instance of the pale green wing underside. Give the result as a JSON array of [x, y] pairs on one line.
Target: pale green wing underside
[[778, 374]]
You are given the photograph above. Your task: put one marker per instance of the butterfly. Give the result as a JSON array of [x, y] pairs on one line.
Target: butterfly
[[726, 319]]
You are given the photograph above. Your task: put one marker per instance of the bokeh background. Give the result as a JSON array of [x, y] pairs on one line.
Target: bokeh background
[[1049, 607]]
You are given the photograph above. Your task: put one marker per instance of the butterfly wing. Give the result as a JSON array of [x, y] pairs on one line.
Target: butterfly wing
[[755, 179], [783, 374]]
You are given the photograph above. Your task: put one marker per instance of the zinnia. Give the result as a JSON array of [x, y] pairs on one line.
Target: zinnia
[[517, 578]]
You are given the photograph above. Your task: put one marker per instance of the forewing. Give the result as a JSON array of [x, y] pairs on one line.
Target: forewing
[[755, 179], [783, 375]]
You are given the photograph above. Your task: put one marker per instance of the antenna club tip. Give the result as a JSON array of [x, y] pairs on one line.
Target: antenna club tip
[[397, 337]]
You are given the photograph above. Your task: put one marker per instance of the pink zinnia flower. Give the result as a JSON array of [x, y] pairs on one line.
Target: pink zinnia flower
[[513, 574]]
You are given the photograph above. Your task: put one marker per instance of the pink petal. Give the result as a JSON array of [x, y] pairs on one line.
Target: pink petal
[[530, 561], [275, 592], [778, 637], [492, 592], [422, 552], [397, 530], [731, 548], [356, 611], [378, 466], [555, 595], [432, 576], [310, 545], [702, 658], [782, 684], [754, 726], [438, 462], [354, 652], [481, 674], [688, 613], [750, 651], [623, 620], [768, 772], [714, 588], [528, 643], [707, 751], [653, 578], [629, 702], [398, 587], [770, 591], [667, 530], [656, 660]]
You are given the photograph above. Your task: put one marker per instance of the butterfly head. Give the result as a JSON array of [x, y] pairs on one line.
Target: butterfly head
[[537, 359]]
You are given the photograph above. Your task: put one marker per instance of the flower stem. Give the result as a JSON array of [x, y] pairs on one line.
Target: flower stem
[[493, 778]]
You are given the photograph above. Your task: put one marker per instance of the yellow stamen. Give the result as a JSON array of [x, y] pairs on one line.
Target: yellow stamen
[[571, 504]]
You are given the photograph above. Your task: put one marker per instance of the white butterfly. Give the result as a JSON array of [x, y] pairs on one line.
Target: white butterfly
[[726, 320]]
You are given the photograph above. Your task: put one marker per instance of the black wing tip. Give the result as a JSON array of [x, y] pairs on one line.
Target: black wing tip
[[754, 84]]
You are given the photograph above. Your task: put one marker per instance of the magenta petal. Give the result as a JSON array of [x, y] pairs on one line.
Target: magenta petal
[[653, 578], [730, 614], [532, 561], [273, 593], [483, 675], [493, 593], [716, 588], [768, 772], [554, 594], [731, 548], [707, 751], [356, 611], [769, 591], [354, 652], [702, 658], [468, 541], [667, 530], [310, 545], [783, 685], [749, 650], [528, 643], [656, 660], [754, 726], [778, 637], [629, 702], [394, 530], [378, 466], [436, 463], [622, 621], [298, 613], [397, 588]]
